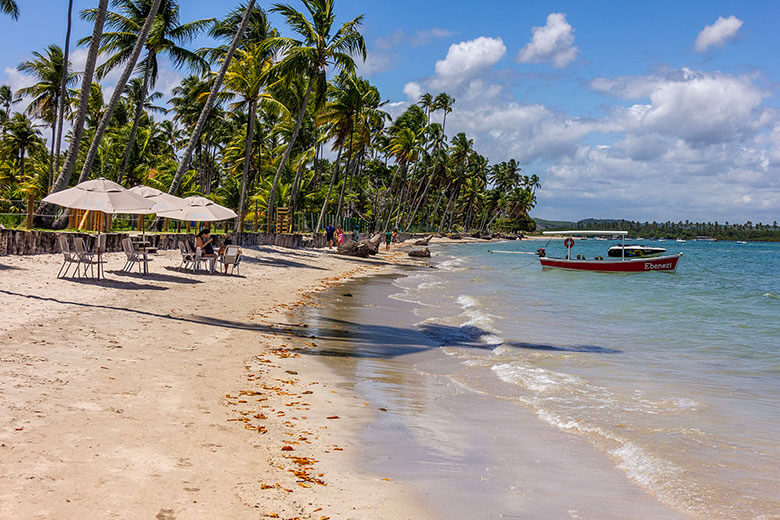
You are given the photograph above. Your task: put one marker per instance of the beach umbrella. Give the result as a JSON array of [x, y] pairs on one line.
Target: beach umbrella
[[162, 201], [200, 209], [102, 196]]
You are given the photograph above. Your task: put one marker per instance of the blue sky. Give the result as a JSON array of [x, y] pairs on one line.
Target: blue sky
[[637, 110]]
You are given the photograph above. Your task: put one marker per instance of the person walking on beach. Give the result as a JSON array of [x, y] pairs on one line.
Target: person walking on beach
[[329, 230], [356, 234], [388, 239], [339, 235]]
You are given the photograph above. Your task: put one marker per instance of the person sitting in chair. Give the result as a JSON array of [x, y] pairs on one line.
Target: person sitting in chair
[[204, 241]]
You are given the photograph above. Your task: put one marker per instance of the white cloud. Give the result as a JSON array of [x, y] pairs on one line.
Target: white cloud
[[552, 43], [700, 107], [717, 34], [413, 91], [465, 59]]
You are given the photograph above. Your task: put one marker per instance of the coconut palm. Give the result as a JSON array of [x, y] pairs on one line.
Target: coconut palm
[[78, 127], [404, 147], [64, 89], [215, 89], [246, 77], [310, 56], [7, 100], [461, 152], [257, 31], [166, 37], [22, 137], [119, 89], [47, 70], [10, 7]]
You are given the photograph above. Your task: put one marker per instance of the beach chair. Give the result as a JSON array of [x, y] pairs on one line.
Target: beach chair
[[85, 257], [187, 257], [134, 257], [231, 257], [100, 245], [69, 258]]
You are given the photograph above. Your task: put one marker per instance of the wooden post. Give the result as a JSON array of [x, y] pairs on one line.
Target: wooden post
[[256, 215], [165, 224], [30, 207]]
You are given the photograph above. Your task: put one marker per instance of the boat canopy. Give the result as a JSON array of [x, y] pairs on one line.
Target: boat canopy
[[580, 232]]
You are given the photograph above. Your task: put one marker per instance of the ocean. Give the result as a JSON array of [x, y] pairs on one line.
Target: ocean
[[506, 391]]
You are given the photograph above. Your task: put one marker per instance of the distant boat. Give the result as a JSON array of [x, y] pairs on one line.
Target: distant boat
[[681, 240], [741, 242], [623, 264]]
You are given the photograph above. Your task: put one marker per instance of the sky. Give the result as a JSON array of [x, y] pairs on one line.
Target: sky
[[638, 110]]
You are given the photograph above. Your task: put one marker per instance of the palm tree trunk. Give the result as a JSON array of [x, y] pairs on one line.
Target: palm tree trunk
[[330, 189], [78, 128], [51, 152], [63, 89], [288, 149], [118, 90], [350, 158], [455, 189], [204, 113], [435, 209], [250, 132], [139, 110], [393, 199]]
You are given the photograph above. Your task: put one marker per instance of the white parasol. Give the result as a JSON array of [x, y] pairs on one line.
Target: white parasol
[[200, 209], [103, 196], [162, 201]]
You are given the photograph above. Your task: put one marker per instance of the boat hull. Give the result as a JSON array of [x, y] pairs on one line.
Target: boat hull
[[629, 265]]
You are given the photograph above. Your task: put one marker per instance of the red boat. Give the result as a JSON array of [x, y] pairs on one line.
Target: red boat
[[611, 265]]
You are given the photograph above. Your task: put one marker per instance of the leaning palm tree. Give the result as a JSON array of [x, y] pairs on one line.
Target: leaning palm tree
[[78, 126], [167, 37], [47, 70], [310, 56], [10, 7], [246, 77], [184, 163], [119, 90]]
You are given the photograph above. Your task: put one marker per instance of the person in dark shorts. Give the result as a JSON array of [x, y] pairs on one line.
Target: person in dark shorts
[[388, 239], [329, 230], [204, 241]]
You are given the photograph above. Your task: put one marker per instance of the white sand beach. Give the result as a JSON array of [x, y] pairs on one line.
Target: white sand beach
[[175, 396]]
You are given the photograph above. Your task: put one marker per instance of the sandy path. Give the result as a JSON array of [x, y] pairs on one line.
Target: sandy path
[[172, 396]]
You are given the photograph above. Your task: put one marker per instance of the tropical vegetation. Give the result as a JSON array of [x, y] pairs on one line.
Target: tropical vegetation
[[269, 121]]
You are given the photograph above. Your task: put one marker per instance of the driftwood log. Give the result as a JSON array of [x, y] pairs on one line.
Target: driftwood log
[[352, 248], [420, 253], [423, 241]]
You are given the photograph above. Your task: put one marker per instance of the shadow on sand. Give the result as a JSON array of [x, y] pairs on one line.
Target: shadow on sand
[[385, 341]]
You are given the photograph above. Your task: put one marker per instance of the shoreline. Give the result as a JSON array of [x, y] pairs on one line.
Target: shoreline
[[177, 395]]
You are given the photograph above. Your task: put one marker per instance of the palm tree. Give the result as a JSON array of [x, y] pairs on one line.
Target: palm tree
[[7, 100], [428, 103], [47, 70], [23, 136], [78, 127], [404, 146], [462, 150], [204, 114], [310, 56], [10, 7], [119, 89], [247, 75], [64, 89], [257, 31], [166, 37]]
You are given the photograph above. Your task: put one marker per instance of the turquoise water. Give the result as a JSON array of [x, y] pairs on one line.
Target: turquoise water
[[673, 377]]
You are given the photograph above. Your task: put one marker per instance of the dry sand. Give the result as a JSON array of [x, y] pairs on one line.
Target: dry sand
[[179, 395]]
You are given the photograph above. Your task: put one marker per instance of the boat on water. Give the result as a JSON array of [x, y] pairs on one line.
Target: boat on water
[[681, 240], [741, 242], [611, 264]]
